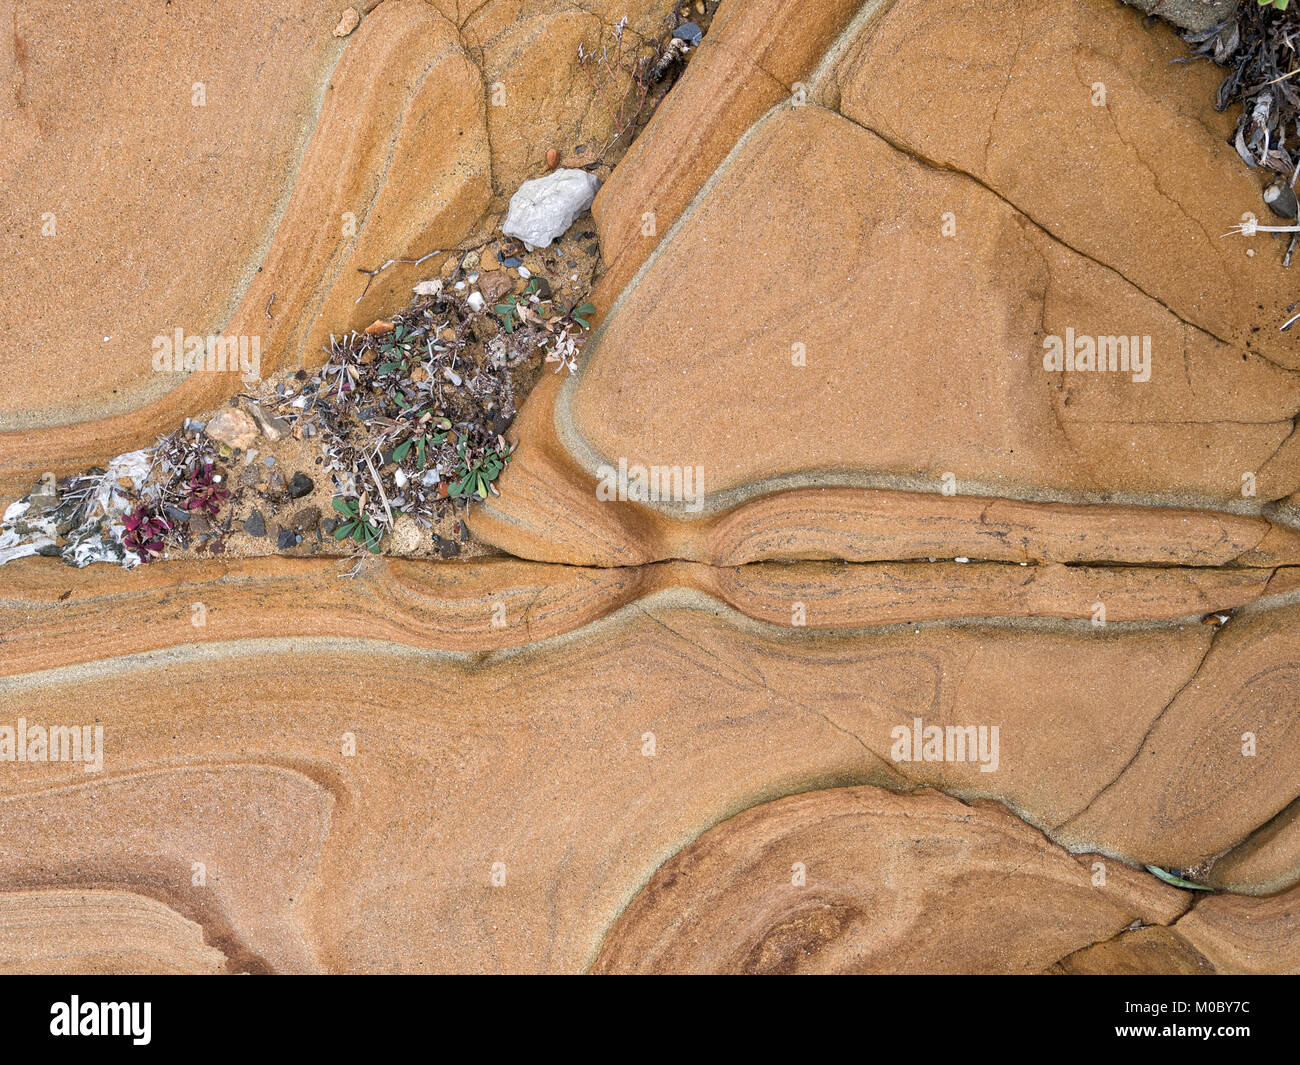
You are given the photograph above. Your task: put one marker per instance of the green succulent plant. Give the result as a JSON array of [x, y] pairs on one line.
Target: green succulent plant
[[423, 440], [475, 476], [357, 526]]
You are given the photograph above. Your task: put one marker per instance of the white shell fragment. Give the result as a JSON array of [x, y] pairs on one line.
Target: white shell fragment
[[545, 207]]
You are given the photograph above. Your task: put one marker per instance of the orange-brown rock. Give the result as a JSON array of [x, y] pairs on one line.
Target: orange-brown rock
[[695, 734], [1076, 115], [1240, 934], [110, 932], [147, 150], [253, 212], [873, 342], [753, 57], [1233, 728], [859, 880], [494, 604], [1152, 950], [552, 514], [1268, 861]]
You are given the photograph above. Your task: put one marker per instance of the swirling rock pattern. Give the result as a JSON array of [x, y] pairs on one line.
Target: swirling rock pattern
[[684, 736], [248, 167], [352, 784], [851, 880]]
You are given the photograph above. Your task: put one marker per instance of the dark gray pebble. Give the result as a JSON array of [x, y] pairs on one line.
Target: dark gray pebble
[[690, 33]]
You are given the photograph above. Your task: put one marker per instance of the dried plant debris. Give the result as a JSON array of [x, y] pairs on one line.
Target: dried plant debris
[[124, 514], [1258, 45], [412, 412], [630, 77], [406, 422]]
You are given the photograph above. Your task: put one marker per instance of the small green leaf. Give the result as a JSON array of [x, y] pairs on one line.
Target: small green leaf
[[344, 530], [399, 452], [585, 309], [1176, 881], [346, 507]]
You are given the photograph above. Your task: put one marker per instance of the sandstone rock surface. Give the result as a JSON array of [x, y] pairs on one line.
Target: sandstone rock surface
[[682, 734], [248, 204], [859, 880]]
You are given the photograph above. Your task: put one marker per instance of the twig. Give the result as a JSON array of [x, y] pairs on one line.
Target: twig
[[380, 485], [371, 274]]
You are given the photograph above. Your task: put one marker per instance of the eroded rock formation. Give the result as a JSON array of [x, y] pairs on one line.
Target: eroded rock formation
[[941, 648]]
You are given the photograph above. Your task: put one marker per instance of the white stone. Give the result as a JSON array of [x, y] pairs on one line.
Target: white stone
[[407, 535], [546, 207], [476, 301]]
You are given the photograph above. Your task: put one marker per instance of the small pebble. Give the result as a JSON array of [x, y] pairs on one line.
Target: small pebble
[[512, 261], [300, 486], [287, 539], [525, 273], [305, 519], [256, 524], [689, 32]]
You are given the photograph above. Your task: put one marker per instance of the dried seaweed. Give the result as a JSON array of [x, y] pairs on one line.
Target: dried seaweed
[[1260, 46]]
